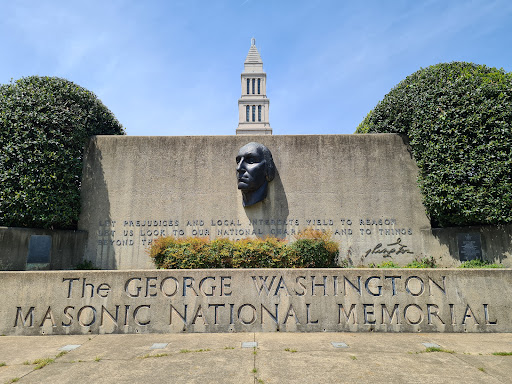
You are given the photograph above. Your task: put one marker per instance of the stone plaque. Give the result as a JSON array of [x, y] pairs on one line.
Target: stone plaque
[[470, 246], [39, 251]]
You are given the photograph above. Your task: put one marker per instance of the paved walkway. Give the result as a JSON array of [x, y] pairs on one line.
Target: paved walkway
[[277, 358]]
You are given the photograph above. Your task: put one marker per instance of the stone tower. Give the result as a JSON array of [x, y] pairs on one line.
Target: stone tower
[[253, 105]]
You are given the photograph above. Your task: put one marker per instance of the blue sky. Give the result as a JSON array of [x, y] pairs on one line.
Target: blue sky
[[173, 67]]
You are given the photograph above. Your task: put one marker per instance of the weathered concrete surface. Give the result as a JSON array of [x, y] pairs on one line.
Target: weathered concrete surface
[[67, 249], [279, 358], [361, 188], [262, 300]]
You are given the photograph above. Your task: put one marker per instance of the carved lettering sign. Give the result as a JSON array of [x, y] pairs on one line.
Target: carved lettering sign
[[256, 300]]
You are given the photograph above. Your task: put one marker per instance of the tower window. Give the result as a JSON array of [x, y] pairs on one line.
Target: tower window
[[248, 86], [253, 112], [259, 81], [259, 108], [253, 81], [247, 112]]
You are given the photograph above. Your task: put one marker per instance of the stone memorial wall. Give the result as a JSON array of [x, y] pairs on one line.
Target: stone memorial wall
[[360, 188], [255, 300]]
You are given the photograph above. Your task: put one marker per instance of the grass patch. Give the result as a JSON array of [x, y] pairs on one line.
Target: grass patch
[[229, 347], [426, 262], [2, 364], [15, 380], [384, 264], [481, 369], [502, 353], [41, 363], [193, 350], [478, 263], [436, 349], [290, 350], [353, 357], [97, 359], [156, 355], [254, 370]]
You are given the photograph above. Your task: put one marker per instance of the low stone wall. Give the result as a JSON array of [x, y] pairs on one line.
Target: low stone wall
[[451, 246], [66, 247], [255, 300]]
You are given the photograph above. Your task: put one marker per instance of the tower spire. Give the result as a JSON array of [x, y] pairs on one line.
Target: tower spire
[[253, 105]]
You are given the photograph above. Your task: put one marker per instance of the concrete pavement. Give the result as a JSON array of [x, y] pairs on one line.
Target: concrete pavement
[[277, 358]]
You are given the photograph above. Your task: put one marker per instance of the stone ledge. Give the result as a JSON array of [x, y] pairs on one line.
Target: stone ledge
[[255, 300]]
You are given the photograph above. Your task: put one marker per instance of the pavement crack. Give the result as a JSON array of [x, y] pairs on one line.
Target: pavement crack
[[462, 358], [254, 353]]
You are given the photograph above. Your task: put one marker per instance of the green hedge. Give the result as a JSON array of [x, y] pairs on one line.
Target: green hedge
[[458, 119], [186, 253], [44, 124]]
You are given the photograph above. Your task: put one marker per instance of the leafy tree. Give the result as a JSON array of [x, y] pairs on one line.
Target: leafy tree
[[457, 117], [364, 126], [44, 124]]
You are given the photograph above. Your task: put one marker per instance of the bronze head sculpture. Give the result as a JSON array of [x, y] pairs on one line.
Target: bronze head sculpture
[[254, 170]]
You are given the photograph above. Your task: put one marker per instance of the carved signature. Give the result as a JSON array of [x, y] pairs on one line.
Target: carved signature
[[397, 249]]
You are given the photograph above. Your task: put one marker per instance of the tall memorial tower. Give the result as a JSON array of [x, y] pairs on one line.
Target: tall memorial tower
[[253, 105]]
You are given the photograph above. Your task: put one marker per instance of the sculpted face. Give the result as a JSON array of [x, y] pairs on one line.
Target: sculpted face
[[250, 167], [254, 169]]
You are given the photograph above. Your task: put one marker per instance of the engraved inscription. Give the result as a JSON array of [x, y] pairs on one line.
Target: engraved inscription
[[202, 300], [142, 231]]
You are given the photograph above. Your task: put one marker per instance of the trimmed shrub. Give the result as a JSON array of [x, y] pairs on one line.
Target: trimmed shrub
[[458, 119], [315, 248], [364, 126], [44, 124], [196, 253]]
